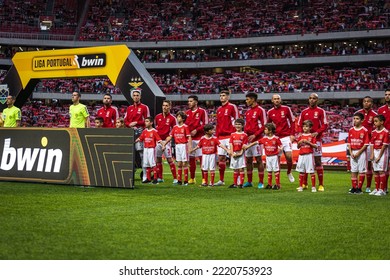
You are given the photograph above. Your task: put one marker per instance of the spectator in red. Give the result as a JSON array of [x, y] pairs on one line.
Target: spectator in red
[[255, 119], [197, 118], [108, 112], [320, 124], [227, 113], [283, 119], [368, 123]]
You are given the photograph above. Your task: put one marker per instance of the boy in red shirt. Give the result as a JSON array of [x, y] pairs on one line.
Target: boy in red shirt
[[272, 147], [209, 145], [379, 155], [237, 156], [150, 138], [306, 144], [358, 141], [183, 142]]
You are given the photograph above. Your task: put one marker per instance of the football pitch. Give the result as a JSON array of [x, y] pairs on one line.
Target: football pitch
[[166, 222]]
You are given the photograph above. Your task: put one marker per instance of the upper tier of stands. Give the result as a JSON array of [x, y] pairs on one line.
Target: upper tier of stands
[[159, 20]]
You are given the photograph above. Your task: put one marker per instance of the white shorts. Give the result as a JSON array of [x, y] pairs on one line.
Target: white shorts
[[167, 152], [383, 162], [209, 162], [272, 163], [359, 165], [224, 142], [254, 151], [181, 152], [237, 162], [305, 163], [286, 144], [198, 152], [149, 159], [318, 150]]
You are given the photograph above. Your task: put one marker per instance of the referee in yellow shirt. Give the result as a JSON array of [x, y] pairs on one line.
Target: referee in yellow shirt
[[11, 115], [79, 116]]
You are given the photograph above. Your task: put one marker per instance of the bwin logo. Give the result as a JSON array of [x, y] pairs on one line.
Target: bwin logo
[[87, 61], [26, 158]]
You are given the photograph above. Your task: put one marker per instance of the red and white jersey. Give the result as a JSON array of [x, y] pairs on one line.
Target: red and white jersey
[[237, 140], [150, 138], [271, 145], [318, 116], [306, 148], [283, 119], [385, 111], [137, 113], [164, 124], [379, 138], [180, 134], [255, 119], [196, 120], [368, 121], [209, 145], [109, 115], [358, 137], [226, 115]]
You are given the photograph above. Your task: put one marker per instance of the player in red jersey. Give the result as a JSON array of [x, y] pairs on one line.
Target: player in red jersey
[[227, 113], [209, 145], [255, 119], [305, 165], [165, 121], [150, 138], [108, 112], [379, 156], [135, 118], [368, 123], [320, 124], [273, 146], [237, 142], [197, 118], [385, 111], [183, 144], [358, 141], [283, 119]]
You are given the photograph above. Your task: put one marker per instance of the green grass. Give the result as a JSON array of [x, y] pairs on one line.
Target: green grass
[[41, 221]]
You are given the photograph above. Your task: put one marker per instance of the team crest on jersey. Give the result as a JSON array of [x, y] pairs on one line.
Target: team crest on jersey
[[370, 120], [361, 135], [380, 137], [197, 115], [316, 115], [226, 112], [282, 114]]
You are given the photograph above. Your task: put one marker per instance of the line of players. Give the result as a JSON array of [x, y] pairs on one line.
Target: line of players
[[280, 115], [368, 147], [195, 119]]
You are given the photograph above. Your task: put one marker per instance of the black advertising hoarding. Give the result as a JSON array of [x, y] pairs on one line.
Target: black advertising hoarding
[[87, 157]]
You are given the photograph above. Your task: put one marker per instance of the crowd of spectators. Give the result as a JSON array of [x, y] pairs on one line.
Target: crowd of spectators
[[157, 20], [25, 16], [320, 79], [160, 20], [265, 52]]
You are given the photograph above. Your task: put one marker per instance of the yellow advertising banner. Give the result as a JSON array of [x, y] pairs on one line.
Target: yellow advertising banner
[[71, 63]]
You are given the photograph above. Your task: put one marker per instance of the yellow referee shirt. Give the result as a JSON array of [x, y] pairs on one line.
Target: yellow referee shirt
[[78, 115], [11, 115]]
